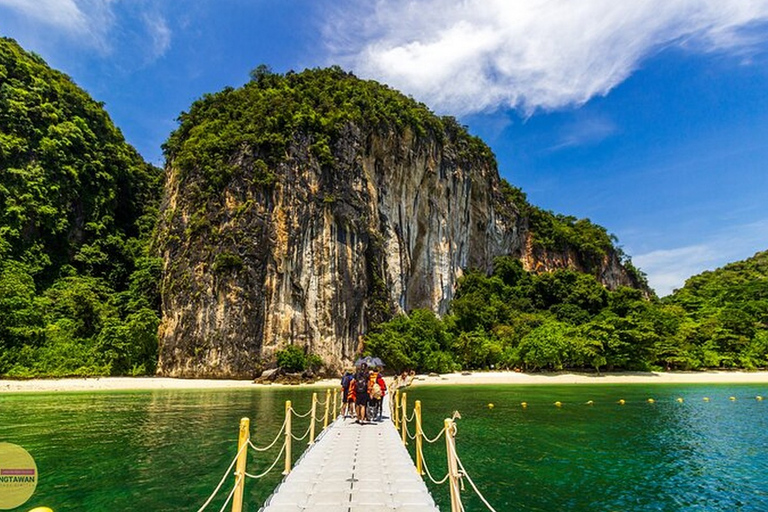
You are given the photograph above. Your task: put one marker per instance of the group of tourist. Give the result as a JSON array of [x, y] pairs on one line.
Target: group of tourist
[[363, 392]]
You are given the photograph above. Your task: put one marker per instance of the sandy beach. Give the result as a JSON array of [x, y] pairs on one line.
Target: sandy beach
[[149, 383]]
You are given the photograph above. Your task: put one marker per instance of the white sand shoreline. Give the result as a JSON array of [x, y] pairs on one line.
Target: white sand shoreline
[[511, 378]]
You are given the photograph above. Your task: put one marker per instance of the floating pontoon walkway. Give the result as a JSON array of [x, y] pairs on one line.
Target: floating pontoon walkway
[[352, 468]]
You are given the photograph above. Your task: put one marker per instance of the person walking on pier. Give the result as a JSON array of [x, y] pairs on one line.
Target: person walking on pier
[[377, 388], [348, 403], [360, 383]]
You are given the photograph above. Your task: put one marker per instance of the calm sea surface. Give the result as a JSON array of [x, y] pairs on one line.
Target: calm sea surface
[[166, 450]]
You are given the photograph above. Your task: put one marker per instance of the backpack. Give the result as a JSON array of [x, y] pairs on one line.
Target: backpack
[[361, 385], [345, 380], [376, 391]]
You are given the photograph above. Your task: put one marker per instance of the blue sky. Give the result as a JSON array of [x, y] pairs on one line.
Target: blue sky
[[649, 117]]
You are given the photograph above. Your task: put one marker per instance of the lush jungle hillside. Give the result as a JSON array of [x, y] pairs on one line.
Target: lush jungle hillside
[[78, 288], [565, 319]]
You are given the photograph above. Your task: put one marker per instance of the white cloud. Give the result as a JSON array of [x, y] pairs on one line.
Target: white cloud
[[478, 55], [96, 24], [88, 21], [57, 13], [668, 270], [159, 33]]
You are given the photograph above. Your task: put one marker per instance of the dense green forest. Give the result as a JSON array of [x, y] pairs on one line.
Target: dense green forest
[[78, 287], [564, 319], [79, 282], [268, 113]]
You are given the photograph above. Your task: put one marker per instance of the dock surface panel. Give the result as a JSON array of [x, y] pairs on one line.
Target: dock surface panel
[[352, 468]]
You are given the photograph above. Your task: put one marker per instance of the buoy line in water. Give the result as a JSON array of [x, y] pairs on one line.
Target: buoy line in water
[[621, 401]]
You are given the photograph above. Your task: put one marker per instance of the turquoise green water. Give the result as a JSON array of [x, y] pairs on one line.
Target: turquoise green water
[[167, 450], [666, 456]]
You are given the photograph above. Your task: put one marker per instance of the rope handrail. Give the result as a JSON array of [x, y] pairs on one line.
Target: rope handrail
[[221, 482], [277, 459], [469, 479], [426, 470], [305, 434], [430, 441], [301, 415], [231, 493], [413, 415], [407, 432], [280, 433]]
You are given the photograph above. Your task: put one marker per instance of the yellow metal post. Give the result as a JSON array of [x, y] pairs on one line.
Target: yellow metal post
[[404, 416], [287, 437], [242, 455], [419, 433], [327, 406], [313, 419], [396, 409], [335, 403], [453, 467]]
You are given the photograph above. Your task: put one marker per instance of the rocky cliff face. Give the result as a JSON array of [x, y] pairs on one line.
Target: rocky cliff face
[[609, 270], [331, 244]]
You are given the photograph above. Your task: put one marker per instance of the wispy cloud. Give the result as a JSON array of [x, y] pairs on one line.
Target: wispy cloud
[[584, 131], [478, 55], [668, 269], [159, 33], [88, 21], [96, 24]]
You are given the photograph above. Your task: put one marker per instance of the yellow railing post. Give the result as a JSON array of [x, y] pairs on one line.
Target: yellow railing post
[[397, 410], [327, 406], [287, 437], [313, 419], [335, 403], [453, 469], [404, 417], [419, 433], [242, 455]]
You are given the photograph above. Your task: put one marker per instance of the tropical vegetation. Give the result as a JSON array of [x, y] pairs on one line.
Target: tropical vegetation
[[565, 319], [78, 285]]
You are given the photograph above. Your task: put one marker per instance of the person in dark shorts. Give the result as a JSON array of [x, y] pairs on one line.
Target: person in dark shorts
[[361, 392], [347, 405]]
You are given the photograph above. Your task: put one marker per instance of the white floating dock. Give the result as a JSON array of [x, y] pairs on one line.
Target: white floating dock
[[354, 468]]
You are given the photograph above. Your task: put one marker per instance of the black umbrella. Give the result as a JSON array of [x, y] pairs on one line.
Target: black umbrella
[[368, 360]]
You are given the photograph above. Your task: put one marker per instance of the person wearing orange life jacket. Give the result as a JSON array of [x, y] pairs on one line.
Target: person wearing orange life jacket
[[377, 388], [347, 401]]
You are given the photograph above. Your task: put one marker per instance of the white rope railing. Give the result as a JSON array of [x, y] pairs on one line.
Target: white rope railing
[[430, 441], [279, 434], [306, 434], [301, 415], [221, 482], [231, 493], [479, 494], [426, 470], [408, 433], [277, 459]]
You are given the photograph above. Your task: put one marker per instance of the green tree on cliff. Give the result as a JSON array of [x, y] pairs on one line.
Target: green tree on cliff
[[77, 206]]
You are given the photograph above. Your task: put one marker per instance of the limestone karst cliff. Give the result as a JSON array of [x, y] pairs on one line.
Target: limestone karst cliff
[[301, 209]]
